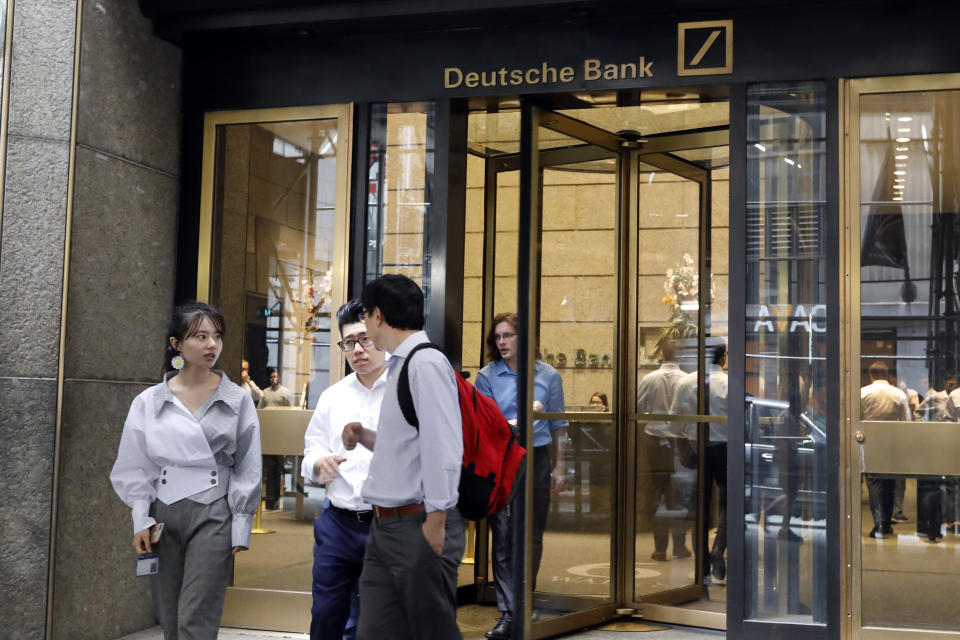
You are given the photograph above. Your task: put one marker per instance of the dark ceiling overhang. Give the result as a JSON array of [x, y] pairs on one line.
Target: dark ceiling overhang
[[177, 20]]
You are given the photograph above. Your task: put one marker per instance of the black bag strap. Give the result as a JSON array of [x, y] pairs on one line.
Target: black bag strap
[[403, 386]]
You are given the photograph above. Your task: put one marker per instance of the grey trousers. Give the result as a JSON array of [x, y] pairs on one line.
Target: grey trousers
[[407, 591], [195, 560]]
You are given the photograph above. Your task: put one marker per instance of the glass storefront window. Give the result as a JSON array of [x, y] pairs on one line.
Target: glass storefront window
[[909, 348], [785, 457], [274, 254], [400, 181]]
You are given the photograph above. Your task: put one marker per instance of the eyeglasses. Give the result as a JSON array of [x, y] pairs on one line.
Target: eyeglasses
[[350, 343], [497, 337]]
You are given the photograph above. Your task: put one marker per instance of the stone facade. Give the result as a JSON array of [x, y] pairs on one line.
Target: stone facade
[[116, 245]]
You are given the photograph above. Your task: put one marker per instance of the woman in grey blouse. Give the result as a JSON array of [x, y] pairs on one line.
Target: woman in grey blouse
[[189, 465]]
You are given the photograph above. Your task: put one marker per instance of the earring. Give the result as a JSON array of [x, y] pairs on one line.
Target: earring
[[177, 362]]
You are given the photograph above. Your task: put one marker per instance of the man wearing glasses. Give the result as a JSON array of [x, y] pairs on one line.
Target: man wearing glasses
[[341, 531], [408, 588]]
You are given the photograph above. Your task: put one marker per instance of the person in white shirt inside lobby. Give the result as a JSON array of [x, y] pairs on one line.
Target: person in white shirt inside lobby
[[341, 531]]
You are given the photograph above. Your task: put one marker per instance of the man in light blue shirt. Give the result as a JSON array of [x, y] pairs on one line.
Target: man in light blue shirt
[[498, 380], [408, 586]]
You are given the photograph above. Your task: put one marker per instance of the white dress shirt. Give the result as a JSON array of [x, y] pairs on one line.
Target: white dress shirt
[[167, 452], [686, 402], [346, 401], [655, 394], [880, 400], [411, 466]]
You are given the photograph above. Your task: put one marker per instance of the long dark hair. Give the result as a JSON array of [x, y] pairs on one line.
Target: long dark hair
[[185, 322]]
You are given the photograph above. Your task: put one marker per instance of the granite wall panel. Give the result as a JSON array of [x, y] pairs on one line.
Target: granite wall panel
[[27, 414], [93, 554], [122, 262], [129, 103], [41, 69], [31, 256]]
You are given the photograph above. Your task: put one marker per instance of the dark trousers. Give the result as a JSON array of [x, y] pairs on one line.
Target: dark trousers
[[881, 490], [660, 460], [952, 500], [929, 507], [339, 540], [408, 591], [501, 530], [273, 476], [715, 470]]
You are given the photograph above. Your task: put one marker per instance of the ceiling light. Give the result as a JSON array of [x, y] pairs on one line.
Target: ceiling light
[[903, 148], [899, 179], [789, 161], [904, 130], [904, 118], [760, 147], [901, 164], [897, 198], [903, 139], [901, 157], [899, 173], [899, 186]]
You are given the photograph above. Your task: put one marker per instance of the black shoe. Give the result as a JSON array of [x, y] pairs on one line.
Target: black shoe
[[899, 517], [501, 630], [880, 533]]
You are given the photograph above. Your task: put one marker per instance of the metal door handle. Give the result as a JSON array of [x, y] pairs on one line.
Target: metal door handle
[[860, 436]]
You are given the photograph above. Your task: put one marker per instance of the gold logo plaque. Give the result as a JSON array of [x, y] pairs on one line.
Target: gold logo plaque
[[699, 40]]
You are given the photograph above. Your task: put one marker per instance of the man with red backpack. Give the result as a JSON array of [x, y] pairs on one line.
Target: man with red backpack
[[408, 585]]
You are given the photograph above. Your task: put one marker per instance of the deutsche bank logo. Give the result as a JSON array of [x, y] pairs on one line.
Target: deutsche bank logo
[[704, 48]]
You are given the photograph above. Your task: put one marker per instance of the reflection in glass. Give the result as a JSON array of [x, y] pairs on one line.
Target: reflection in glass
[[668, 284], [272, 271], [910, 347], [681, 345], [909, 203], [400, 179], [785, 495]]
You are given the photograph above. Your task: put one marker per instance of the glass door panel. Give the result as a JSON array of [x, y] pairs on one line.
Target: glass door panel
[[574, 440], [668, 323], [907, 444], [272, 258]]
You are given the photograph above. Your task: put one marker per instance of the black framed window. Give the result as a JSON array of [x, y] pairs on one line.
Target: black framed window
[[786, 464]]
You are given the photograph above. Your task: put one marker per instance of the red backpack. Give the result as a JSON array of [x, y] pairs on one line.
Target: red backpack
[[491, 454]]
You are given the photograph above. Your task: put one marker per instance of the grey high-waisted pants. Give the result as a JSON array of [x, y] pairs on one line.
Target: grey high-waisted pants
[[195, 559]]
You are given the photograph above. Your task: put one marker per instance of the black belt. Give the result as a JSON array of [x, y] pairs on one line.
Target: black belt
[[359, 516]]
